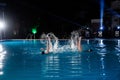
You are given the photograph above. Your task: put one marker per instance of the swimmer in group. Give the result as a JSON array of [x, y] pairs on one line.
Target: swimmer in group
[[78, 44], [48, 46], [89, 50]]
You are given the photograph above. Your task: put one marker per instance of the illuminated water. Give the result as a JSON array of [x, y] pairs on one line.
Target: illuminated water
[[21, 60]]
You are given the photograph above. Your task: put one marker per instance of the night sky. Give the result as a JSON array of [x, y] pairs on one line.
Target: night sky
[[59, 17]]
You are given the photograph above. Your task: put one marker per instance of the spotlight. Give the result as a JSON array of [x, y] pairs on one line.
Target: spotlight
[[101, 28], [2, 25], [118, 27]]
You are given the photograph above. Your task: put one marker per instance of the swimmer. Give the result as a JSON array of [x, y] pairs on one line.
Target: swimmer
[[42, 51], [78, 44], [48, 48], [90, 50]]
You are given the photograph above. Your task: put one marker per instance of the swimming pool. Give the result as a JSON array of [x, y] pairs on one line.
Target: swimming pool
[[21, 60]]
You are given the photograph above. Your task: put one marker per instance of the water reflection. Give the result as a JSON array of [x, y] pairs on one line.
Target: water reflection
[[118, 43], [101, 49], [67, 66], [100, 43], [75, 69], [103, 74], [2, 56], [117, 49], [118, 54], [89, 63], [51, 66], [88, 42]]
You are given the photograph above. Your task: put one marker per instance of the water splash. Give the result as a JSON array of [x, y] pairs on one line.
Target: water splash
[[54, 41], [74, 39], [43, 37]]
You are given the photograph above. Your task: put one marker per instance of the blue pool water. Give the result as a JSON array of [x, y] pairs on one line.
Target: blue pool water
[[21, 60]]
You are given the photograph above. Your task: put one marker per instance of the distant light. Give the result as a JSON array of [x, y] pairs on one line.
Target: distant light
[[1, 48], [1, 73], [101, 28], [118, 27], [34, 30], [2, 25], [101, 13], [87, 27], [101, 42]]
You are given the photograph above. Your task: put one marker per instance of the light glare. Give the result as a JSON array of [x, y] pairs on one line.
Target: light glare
[[2, 25]]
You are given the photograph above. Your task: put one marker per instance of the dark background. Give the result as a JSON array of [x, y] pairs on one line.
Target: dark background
[[59, 17]]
